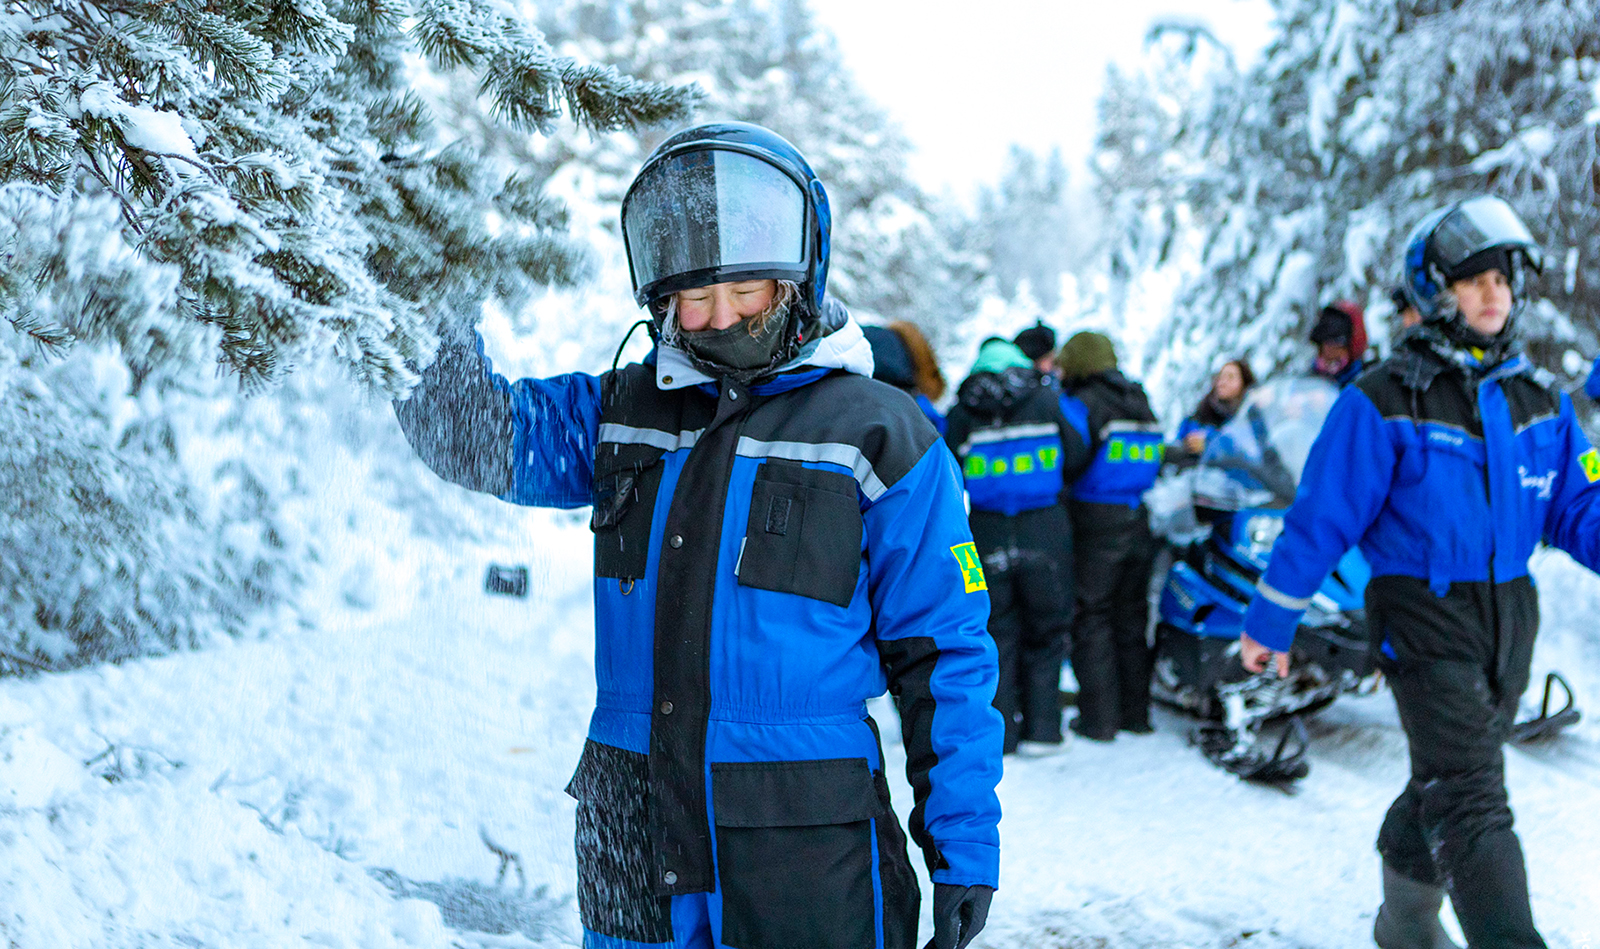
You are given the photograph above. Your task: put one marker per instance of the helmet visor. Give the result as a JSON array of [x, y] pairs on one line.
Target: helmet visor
[[1478, 225], [711, 210]]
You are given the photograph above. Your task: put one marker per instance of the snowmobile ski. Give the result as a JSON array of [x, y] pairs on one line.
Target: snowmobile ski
[[1548, 724], [1242, 753]]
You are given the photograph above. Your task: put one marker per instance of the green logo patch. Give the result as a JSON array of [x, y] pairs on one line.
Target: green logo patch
[[971, 566], [1590, 460]]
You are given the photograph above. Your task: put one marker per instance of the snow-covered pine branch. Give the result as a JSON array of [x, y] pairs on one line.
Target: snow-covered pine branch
[[250, 186]]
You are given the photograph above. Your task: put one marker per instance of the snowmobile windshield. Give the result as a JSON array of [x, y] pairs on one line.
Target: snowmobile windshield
[[711, 216], [1478, 225], [1256, 459]]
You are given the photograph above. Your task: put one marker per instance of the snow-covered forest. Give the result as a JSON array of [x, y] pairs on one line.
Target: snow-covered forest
[[252, 689]]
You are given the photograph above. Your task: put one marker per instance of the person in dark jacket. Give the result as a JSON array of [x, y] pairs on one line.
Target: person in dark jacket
[[1447, 464], [1113, 547], [778, 539], [1227, 392], [902, 357], [1018, 455], [1340, 335], [1038, 343]]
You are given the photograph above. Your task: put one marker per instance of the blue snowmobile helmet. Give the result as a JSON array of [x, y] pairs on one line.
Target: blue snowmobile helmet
[[723, 202], [1461, 240]]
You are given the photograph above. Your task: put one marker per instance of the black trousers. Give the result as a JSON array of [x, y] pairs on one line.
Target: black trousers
[[1111, 655], [1027, 564], [1459, 665]]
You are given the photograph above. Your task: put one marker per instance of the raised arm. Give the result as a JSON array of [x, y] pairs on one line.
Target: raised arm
[[531, 442]]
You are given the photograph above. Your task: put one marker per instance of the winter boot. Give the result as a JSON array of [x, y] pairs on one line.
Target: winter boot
[[1409, 916]]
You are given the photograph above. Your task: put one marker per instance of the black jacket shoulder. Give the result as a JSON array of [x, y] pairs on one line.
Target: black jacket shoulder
[[1417, 384]]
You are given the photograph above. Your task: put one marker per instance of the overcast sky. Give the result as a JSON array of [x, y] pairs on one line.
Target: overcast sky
[[966, 78]]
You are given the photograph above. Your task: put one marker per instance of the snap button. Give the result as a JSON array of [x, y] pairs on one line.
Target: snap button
[[733, 396], [669, 878], [666, 380], [666, 708], [676, 541]]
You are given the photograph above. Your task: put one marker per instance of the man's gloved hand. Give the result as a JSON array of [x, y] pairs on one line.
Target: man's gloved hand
[[959, 912]]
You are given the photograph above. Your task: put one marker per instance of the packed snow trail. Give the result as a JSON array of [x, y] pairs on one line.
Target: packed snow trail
[[281, 792]]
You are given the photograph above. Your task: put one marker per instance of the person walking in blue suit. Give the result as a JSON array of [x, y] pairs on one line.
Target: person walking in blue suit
[[1447, 464], [777, 539]]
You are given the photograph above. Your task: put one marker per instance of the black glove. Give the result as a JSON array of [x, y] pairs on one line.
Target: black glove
[[959, 912]]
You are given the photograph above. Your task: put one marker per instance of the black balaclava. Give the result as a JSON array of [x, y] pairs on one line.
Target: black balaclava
[[735, 353]]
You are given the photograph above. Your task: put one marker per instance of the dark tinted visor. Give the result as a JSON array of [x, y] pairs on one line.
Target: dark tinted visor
[[1478, 225], [713, 209]]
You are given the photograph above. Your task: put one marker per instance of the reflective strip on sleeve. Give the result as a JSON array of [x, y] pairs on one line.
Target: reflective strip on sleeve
[[1296, 603]]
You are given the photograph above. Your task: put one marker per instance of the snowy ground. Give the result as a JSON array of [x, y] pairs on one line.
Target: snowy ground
[[285, 792]]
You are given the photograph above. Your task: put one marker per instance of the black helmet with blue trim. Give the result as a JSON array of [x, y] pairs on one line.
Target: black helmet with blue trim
[[724, 202], [1460, 241]]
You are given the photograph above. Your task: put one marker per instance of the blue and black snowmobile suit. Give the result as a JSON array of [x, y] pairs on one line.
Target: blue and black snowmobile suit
[[1114, 552], [1447, 476], [1019, 455], [767, 559]]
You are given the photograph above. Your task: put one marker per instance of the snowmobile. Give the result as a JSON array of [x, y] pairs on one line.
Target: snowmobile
[[1236, 499]]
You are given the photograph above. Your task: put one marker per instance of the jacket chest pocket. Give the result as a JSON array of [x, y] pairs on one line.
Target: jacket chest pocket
[[804, 534], [625, 490]]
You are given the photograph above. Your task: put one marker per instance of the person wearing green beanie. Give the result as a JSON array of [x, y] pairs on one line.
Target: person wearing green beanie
[[1115, 551], [1086, 354], [1017, 456]]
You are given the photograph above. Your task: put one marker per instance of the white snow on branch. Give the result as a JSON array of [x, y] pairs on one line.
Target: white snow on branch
[[161, 133]]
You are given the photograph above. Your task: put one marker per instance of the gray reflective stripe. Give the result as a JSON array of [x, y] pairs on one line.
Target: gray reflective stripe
[[1007, 432], [845, 456], [1296, 603], [654, 437], [1123, 425]]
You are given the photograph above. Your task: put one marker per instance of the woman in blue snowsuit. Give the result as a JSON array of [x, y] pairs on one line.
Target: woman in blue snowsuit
[[778, 539], [1447, 464]]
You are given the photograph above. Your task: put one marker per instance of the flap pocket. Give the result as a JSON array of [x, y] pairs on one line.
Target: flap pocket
[[625, 484], [794, 793], [804, 533]]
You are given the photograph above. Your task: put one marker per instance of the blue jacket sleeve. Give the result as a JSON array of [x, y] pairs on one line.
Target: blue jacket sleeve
[[931, 610], [1573, 520], [556, 423], [1187, 427], [1591, 386], [1346, 479]]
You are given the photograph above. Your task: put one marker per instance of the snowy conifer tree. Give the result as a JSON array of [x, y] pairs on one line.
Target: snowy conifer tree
[[1033, 232], [1298, 179], [250, 183]]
